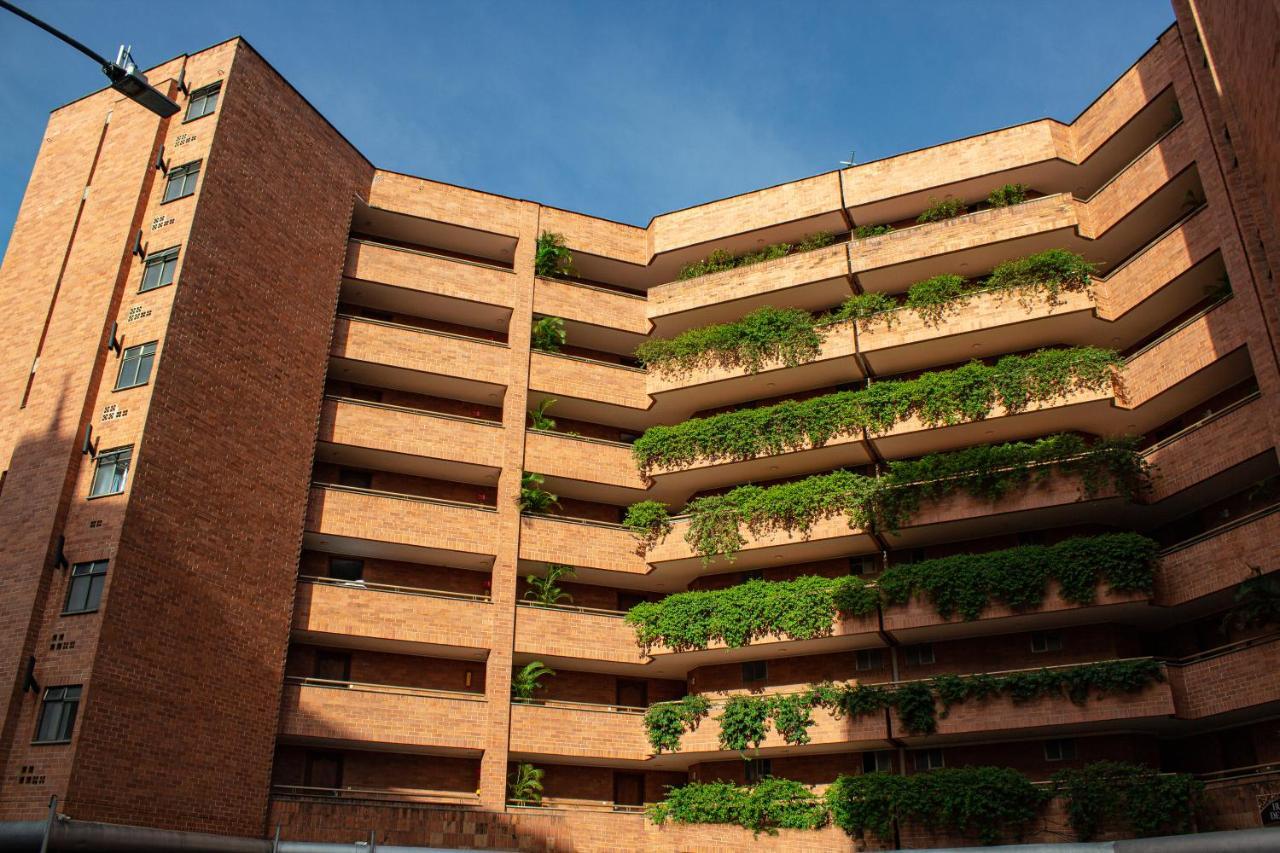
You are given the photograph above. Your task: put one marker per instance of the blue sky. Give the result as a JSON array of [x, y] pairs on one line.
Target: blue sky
[[616, 110]]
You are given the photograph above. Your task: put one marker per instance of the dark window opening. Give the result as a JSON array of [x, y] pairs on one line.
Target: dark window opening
[[158, 269], [111, 473], [84, 593], [58, 714], [203, 101], [181, 182], [135, 366]]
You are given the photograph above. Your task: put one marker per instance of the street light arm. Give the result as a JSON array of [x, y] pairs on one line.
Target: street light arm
[[101, 60]]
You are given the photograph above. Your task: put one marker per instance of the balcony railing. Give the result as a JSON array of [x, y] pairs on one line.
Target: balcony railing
[[393, 795]]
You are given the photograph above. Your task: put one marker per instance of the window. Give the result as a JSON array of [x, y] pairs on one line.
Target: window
[[907, 558], [135, 367], [1046, 642], [58, 714], [356, 478], [758, 768], [182, 181], [203, 101], [158, 269], [753, 575], [344, 569], [754, 671], [323, 770], [112, 472], [1062, 749], [868, 659], [85, 591], [877, 762], [921, 655], [862, 565], [927, 759], [332, 666]]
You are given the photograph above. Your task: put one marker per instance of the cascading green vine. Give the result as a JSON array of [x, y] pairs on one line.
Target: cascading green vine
[[988, 803], [666, 722], [649, 521], [721, 260], [1144, 801], [966, 584], [791, 336], [718, 523], [769, 805], [936, 398], [745, 719], [767, 335]]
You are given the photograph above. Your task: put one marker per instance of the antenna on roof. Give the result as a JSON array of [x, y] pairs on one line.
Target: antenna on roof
[[851, 161]]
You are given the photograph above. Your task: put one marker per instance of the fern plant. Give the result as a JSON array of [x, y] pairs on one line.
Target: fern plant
[[552, 258], [544, 590], [534, 498], [528, 680], [524, 785], [547, 334]]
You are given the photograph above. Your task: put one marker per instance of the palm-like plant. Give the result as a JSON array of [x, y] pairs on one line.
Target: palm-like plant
[[538, 415], [544, 590], [547, 334], [534, 498], [552, 257], [524, 785], [528, 680]]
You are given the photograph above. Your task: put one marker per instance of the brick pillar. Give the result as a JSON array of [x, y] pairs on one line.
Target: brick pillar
[[493, 768]]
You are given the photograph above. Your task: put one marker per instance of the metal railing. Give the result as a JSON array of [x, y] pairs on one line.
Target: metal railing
[[377, 404], [402, 795], [388, 689], [569, 705], [392, 588]]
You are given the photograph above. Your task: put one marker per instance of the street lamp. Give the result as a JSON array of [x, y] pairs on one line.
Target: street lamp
[[124, 75]]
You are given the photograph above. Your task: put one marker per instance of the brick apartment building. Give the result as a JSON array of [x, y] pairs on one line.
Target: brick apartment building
[[266, 416]]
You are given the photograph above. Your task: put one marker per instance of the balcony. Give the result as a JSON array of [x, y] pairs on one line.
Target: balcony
[[594, 317], [602, 553], [590, 390], [346, 713], [812, 280], [1219, 559], [1238, 678], [424, 284], [586, 639], [393, 355], [345, 519], [1049, 713], [398, 619], [411, 441], [585, 468]]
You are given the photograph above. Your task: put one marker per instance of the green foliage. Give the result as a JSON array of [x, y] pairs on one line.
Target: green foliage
[[862, 232], [937, 398], [1256, 603], [1145, 801], [862, 307], [720, 260], [547, 334], [524, 785], [983, 802], [940, 209], [666, 722], [931, 298], [534, 498], [799, 609], [1007, 195], [767, 806], [744, 722], [528, 679], [1049, 273], [764, 336], [966, 584], [538, 416], [717, 522], [544, 590], [551, 258], [649, 521]]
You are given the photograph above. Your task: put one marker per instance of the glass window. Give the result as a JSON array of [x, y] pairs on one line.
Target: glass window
[[85, 591], [112, 472], [58, 714], [877, 762], [919, 655], [753, 671], [158, 269], [355, 478], [1062, 749], [203, 101], [1046, 642], [182, 181], [867, 659], [135, 366], [758, 768], [927, 759], [346, 570]]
